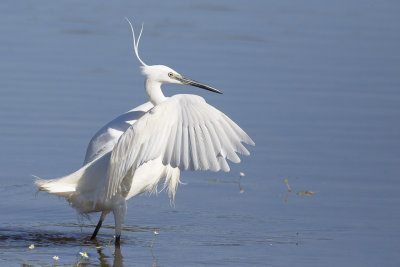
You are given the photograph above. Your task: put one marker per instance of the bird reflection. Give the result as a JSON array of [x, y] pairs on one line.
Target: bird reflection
[[118, 259], [103, 258]]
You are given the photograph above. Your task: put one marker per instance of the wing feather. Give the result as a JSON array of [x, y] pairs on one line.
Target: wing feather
[[176, 156], [169, 148], [201, 151], [209, 147], [214, 138], [185, 132], [242, 134], [193, 149], [185, 148], [217, 147], [235, 139], [228, 149]]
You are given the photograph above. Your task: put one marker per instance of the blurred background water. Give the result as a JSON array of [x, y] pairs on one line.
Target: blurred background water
[[314, 83]]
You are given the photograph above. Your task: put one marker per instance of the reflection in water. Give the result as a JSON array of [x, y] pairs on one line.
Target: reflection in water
[[15, 241], [241, 175], [42, 241], [118, 259], [287, 197], [103, 258], [151, 249], [154, 258], [289, 190]]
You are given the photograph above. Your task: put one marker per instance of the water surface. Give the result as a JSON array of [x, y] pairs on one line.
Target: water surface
[[315, 84]]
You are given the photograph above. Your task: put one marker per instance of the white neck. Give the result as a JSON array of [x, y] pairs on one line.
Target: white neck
[[153, 91]]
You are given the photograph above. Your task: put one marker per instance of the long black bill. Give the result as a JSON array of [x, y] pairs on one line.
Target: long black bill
[[197, 84]]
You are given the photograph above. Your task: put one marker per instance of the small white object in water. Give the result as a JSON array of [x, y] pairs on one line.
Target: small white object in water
[[84, 254]]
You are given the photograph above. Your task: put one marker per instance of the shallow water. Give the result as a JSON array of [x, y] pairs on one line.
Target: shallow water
[[316, 85]]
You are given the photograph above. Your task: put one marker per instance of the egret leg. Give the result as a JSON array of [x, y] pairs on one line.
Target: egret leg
[[117, 241], [119, 210], [102, 217]]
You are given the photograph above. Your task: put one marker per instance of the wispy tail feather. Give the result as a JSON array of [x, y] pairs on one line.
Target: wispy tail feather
[[62, 187]]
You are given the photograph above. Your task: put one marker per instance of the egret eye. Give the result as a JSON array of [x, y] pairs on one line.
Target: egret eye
[[170, 74]]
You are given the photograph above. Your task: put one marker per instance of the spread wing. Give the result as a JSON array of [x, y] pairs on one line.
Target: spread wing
[[186, 132]]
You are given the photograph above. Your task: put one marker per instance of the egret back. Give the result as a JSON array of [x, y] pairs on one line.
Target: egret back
[[106, 138]]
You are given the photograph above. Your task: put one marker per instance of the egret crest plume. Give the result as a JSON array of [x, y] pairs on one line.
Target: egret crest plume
[[136, 43]]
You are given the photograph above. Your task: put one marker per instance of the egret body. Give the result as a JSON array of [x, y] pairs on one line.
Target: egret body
[[133, 153]]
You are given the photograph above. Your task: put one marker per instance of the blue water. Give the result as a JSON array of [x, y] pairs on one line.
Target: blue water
[[316, 84]]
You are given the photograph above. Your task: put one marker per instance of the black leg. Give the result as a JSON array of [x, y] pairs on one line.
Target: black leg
[[117, 241], [96, 230], [102, 217]]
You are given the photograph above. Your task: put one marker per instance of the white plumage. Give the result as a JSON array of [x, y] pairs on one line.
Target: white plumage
[[133, 153], [182, 130]]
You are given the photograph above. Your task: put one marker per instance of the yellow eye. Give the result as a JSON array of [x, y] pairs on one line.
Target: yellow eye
[[170, 74]]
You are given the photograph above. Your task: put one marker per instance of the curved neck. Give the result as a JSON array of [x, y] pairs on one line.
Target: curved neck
[[153, 91]]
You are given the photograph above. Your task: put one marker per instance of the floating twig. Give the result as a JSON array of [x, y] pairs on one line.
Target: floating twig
[[240, 187], [287, 185], [305, 193]]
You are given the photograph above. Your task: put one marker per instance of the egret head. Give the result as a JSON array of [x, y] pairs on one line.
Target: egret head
[[161, 73], [164, 74]]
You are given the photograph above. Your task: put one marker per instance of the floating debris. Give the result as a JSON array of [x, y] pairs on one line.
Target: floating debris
[[305, 193], [287, 185], [109, 241], [240, 187], [84, 254], [220, 181], [300, 193], [55, 258]]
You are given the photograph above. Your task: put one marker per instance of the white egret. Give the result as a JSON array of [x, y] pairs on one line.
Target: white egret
[[131, 154]]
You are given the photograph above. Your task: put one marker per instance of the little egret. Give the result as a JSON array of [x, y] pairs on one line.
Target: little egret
[[133, 153]]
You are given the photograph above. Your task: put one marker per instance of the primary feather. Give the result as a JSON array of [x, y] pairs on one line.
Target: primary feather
[[185, 132]]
